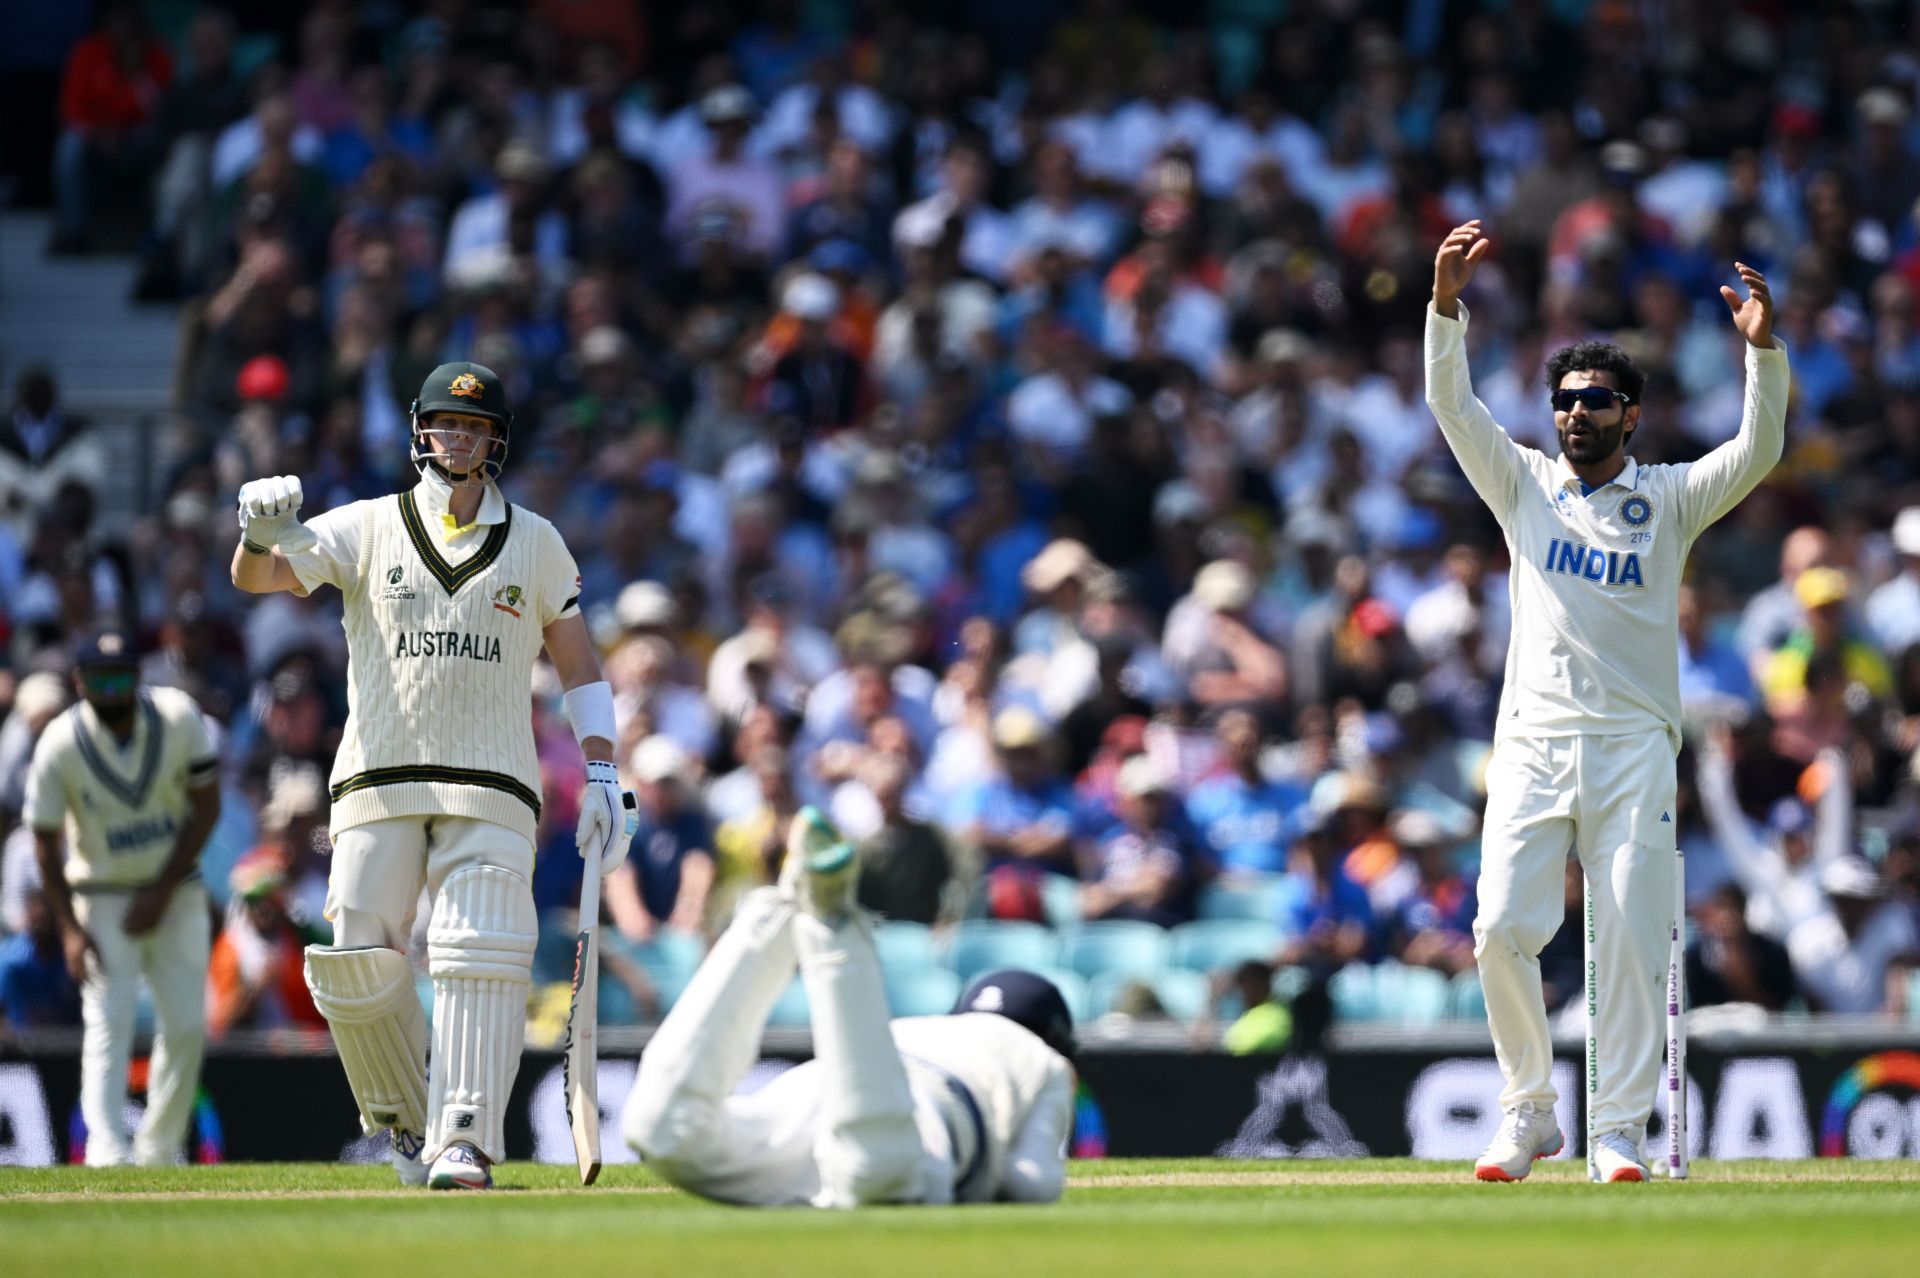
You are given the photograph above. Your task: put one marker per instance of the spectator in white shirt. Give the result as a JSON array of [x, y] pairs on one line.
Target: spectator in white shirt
[[1893, 609], [1258, 131], [1055, 410], [1775, 613], [728, 175], [1843, 954], [1139, 131], [479, 238], [863, 116], [987, 236], [1060, 213]]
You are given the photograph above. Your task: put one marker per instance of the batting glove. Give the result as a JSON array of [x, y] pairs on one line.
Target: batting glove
[[608, 818], [269, 510]]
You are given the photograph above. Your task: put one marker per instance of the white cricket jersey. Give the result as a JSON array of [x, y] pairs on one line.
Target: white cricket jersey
[[120, 805], [443, 627], [1595, 580], [1006, 1098]]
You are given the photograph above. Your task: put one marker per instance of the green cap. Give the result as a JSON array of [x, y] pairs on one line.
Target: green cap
[[464, 387]]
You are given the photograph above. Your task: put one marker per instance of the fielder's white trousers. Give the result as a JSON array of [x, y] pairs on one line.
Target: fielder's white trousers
[[1610, 800], [844, 1129], [172, 958]]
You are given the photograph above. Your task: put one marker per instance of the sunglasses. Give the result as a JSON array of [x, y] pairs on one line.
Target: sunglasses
[[109, 683], [1595, 398]]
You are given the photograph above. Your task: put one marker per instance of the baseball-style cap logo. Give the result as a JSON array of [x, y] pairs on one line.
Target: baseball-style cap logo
[[467, 386]]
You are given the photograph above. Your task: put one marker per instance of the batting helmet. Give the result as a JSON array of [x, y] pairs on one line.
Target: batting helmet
[[1025, 998], [462, 387]]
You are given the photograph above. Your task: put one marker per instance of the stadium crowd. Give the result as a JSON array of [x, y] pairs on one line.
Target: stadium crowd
[[1003, 426]]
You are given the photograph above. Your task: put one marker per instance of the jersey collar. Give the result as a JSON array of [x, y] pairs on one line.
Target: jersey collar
[[433, 495], [1628, 478]]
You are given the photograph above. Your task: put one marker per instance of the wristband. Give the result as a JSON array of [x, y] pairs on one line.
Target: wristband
[[590, 711]]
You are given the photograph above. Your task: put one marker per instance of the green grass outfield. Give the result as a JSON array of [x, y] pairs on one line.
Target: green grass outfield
[[1193, 1216]]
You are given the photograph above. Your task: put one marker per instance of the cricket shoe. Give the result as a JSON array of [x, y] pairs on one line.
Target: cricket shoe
[[1525, 1134], [407, 1163], [1616, 1156], [821, 868], [460, 1166]]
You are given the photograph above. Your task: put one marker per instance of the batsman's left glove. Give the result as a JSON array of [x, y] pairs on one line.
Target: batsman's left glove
[[608, 818]]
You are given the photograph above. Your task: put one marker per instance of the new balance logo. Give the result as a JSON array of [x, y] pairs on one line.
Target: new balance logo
[[460, 1122]]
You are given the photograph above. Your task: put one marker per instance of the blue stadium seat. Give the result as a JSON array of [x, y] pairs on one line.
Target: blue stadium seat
[[1075, 990], [1353, 994], [984, 944], [1133, 949], [1470, 1001], [1242, 898], [792, 1011], [1211, 944], [921, 991], [1062, 897], [905, 947], [1413, 995], [616, 1004], [423, 990], [1182, 993]]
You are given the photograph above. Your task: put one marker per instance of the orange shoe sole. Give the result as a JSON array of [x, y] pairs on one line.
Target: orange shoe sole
[[1487, 1171], [1626, 1174]]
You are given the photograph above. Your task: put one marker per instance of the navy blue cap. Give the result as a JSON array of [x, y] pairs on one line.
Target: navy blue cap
[[1025, 998], [107, 646]]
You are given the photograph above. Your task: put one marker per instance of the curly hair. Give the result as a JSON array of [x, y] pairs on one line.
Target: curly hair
[[1597, 357]]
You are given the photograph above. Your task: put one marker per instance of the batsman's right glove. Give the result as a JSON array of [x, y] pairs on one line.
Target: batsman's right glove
[[269, 510]]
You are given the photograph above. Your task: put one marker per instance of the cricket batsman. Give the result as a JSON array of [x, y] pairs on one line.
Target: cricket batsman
[[971, 1107], [121, 795], [450, 594], [1590, 713]]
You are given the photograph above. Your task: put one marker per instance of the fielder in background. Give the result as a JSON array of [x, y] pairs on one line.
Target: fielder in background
[[1589, 721], [972, 1107], [121, 795], [450, 594]]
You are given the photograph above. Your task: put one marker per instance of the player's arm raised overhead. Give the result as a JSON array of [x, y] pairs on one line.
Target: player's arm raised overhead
[[1489, 457], [1716, 483]]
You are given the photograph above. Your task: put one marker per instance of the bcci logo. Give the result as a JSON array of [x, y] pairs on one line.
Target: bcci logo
[[466, 385], [507, 600], [396, 584], [1636, 510]]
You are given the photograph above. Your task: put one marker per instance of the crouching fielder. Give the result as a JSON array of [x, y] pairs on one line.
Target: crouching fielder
[[971, 1107], [450, 594]]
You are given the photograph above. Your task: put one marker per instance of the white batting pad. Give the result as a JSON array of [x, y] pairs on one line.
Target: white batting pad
[[367, 997], [480, 950]]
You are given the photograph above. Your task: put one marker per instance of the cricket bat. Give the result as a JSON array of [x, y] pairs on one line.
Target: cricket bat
[[581, 1066]]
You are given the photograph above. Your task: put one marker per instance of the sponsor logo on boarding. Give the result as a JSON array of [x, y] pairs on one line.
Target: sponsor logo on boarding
[[467, 386], [507, 599], [397, 587]]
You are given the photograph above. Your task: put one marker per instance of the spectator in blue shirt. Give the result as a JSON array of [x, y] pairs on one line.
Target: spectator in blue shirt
[[36, 990], [1243, 819], [1324, 915], [669, 869], [1143, 866], [1714, 679], [1024, 816]]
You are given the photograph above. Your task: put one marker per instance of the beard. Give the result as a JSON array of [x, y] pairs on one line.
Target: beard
[[1597, 444]]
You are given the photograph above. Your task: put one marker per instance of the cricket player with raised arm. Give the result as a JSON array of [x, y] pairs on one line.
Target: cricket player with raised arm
[[121, 795], [450, 594], [971, 1107], [1589, 721]]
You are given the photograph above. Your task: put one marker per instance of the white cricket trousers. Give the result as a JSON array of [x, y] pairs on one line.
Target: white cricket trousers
[[172, 958], [1609, 799], [844, 1129]]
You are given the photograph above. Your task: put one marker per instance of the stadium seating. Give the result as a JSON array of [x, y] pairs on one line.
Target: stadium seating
[[1211, 944], [1074, 989], [1181, 993], [792, 1011], [1242, 898], [1062, 898], [921, 991], [981, 945], [1469, 1000], [905, 947], [1119, 949]]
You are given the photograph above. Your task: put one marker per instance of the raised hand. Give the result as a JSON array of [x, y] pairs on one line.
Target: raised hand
[[1453, 266], [1753, 317]]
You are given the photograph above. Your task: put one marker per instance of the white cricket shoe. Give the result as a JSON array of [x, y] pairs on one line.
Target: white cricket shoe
[[821, 869], [1616, 1156], [405, 1157], [1525, 1134], [460, 1166]]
